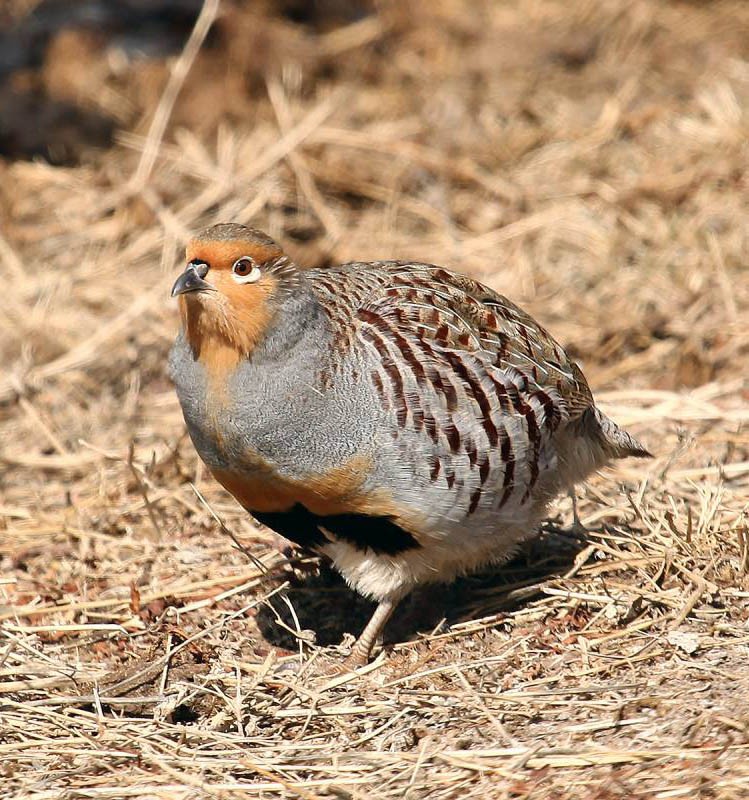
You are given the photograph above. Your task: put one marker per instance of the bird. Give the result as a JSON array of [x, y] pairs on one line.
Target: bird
[[399, 418]]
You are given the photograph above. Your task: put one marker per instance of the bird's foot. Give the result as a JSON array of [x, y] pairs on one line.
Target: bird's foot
[[578, 530], [357, 659], [329, 663]]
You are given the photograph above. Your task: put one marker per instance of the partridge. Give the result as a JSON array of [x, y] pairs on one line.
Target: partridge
[[399, 418]]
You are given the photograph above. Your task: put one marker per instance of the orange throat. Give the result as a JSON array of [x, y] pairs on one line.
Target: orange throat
[[221, 333]]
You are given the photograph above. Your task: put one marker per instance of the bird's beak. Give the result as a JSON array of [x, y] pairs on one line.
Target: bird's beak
[[191, 280]]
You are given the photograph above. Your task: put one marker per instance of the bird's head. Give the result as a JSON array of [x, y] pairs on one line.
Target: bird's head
[[231, 284]]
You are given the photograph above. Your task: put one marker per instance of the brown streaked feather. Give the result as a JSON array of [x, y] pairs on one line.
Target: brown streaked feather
[[444, 338], [470, 317]]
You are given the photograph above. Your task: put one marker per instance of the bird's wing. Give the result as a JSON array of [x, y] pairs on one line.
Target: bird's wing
[[453, 318]]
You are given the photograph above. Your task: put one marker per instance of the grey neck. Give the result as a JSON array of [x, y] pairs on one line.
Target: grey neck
[[298, 320]]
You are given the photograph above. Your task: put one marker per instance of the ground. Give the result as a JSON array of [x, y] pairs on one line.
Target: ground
[[587, 159]]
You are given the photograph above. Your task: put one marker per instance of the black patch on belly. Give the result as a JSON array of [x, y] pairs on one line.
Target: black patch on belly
[[299, 525]]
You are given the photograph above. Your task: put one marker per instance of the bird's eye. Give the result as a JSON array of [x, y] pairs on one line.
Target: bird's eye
[[245, 270]]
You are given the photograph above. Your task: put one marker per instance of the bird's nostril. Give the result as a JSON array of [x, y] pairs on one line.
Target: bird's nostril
[[190, 281], [200, 267]]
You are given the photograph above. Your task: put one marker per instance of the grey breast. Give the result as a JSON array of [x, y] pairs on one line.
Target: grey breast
[[280, 403]]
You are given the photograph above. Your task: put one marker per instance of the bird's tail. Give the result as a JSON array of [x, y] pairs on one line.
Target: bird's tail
[[616, 442]]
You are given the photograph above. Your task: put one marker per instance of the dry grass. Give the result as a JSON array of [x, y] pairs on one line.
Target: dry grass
[[590, 161]]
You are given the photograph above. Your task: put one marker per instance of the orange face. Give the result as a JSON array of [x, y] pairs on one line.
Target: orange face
[[225, 295]]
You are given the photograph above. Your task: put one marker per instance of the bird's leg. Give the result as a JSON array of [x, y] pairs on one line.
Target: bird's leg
[[366, 641], [577, 526]]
